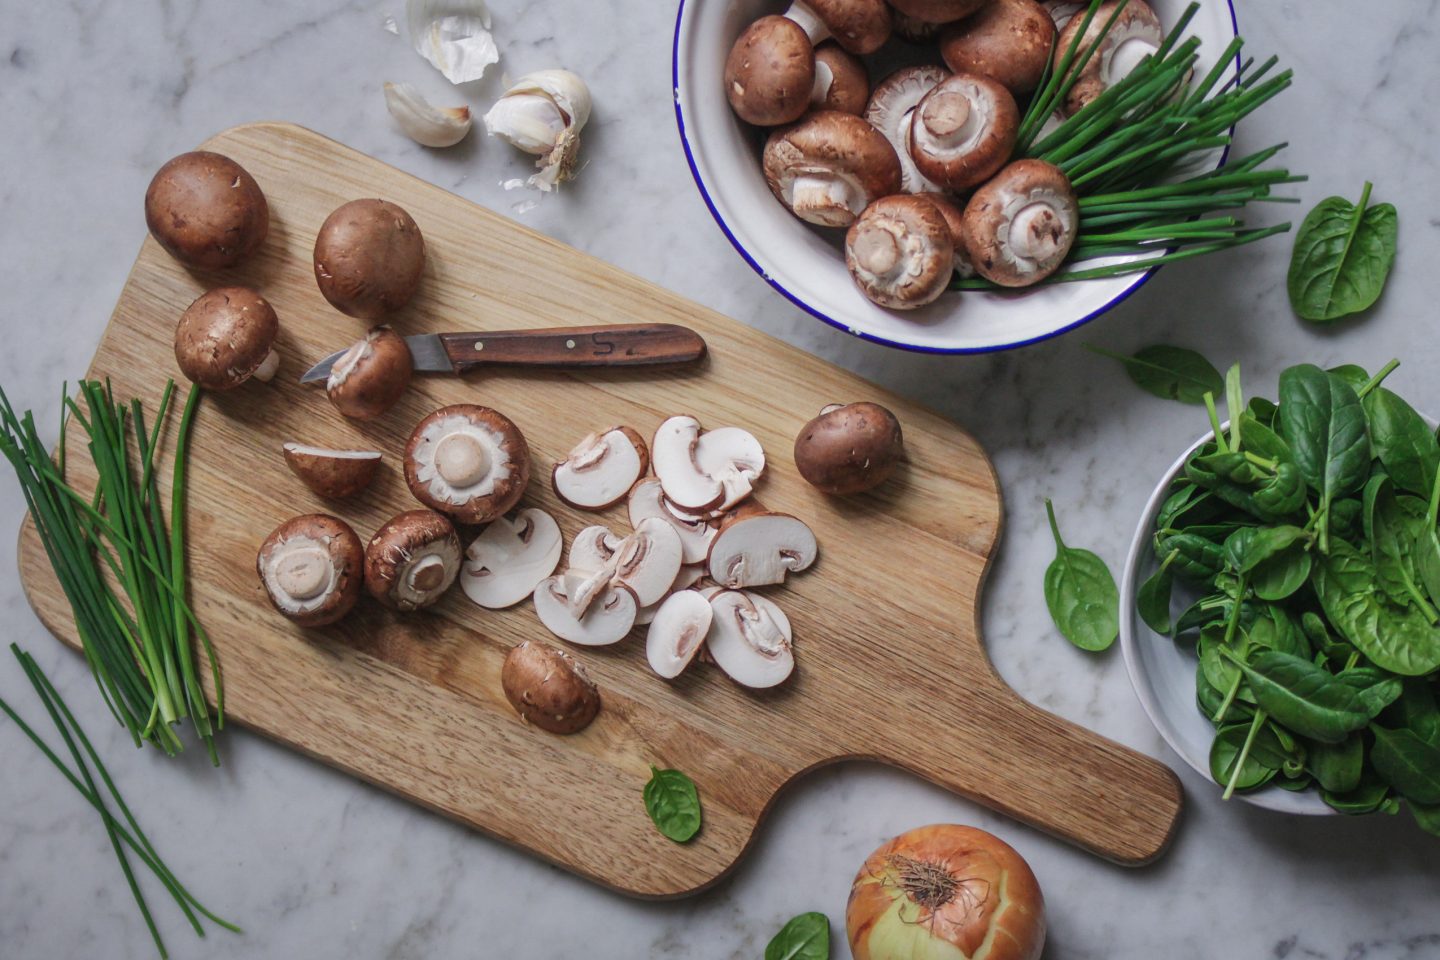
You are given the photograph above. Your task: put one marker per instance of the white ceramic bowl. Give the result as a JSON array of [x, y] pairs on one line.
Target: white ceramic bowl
[[805, 263], [1162, 670]]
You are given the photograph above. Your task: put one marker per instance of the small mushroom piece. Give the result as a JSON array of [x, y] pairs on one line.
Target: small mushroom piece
[[955, 220], [700, 472], [750, 639], [1020, 226], [841, 81], [900, 252], [369, 257], [602, 623], [549, 688], [312, 567], [771, 72], [332, 474], [601, 469], [828, 167], [226, 337], [849, 448], [510, 557], [677, 632], [964, 131], [412, 559], [756, 548], [371, 376], [1136, 34], [206, 210], [647, 501], [860, 26], [1008, 41], [938, 11], [689, 576], [469, 461], [648, 561], [891, 110]]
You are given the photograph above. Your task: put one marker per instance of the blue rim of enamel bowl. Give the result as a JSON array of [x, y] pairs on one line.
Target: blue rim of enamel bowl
[[1140, 278]]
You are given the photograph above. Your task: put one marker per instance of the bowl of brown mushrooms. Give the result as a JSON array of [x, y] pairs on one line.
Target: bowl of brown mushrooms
[[892, 166]]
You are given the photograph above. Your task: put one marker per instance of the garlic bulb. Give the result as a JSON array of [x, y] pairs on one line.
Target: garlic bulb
[[454, 35], [542, 113], [423, 122]]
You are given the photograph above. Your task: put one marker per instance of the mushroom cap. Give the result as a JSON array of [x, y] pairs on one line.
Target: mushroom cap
[[891, 110], [599, 472], [469, 461], [412, 559], [963, 131], [510, 557], [841, 81], [224, 336], [713, 470], [311, 567], [770, 72], [1020, 226], [206, 210], [333, 474], [860, 26], [828, 167], [849, 449], [1136, 33], [371, 376], [938, 11], [955, 220], [677, 632], [757, 548], [912, 30], [549, 688], [1007, 40], [369, 257], [900, 253], [750, 639]]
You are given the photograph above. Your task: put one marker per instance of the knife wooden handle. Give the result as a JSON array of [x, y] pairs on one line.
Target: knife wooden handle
[[618, 345]]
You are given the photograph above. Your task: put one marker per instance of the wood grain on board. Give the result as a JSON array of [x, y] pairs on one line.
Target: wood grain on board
[[890, 664]]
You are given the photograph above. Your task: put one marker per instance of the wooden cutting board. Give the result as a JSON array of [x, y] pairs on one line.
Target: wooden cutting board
[[890, 664]]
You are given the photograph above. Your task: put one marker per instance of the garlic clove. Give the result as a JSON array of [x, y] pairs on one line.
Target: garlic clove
[[454, 35], [543, 113], [423, 122]]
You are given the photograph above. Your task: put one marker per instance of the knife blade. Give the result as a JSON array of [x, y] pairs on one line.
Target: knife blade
[[614, 345]]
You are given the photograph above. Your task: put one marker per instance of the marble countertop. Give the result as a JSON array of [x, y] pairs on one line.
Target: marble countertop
[[314, 864]]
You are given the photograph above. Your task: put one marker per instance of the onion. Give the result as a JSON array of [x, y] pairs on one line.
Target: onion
[[946, 892]]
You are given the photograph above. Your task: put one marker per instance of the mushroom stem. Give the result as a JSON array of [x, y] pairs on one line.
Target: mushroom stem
[[825, 199], [301, 572], [1037, 232], [461, 461], [809, 21], [267, 367], [428, 574], [950, 119], [876, 250]]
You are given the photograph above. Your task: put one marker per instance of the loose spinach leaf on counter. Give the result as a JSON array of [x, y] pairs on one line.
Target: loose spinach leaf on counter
[[1342, 257], [806, 937], [1081, 594], [673, 803], [1170, 373]]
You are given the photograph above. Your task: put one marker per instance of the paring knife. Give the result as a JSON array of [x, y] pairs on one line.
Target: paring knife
[[616, 345]]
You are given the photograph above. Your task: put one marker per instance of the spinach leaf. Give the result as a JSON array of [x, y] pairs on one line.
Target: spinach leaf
[[1398, 639], [1415, 710], [1353, 374], [1081, 594], [1427, 815], [1304, 697], [673, 803], [1153, 601], [1280, 576], [1325, 426], [1407, 763], [1342, 257], [1336, 766], [1345, 519], [1377, 689], [1170, 373], [1403, 442], [1369, 797], [806, 937], [1210, 699], [1260, 763]]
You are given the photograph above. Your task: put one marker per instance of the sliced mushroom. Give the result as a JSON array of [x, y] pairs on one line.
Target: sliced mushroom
[[412, 560], [677, 632], [602, 468], [312, 567], [900, 252], [593, 550], [603, 622], [756, 547], [1008, 40], [841, 81], [510, 557], [938, 11], [704, 471], [1136, 34], [892, 111], [226, 337], [689, 576], [770, 72], [963, 131], [849, 449], [371, 376], [469, 461], [549, 688], [1020, 226], [647, 500], [333, 474], [648, 561], [955, 220], [828, 167], [750, 639]]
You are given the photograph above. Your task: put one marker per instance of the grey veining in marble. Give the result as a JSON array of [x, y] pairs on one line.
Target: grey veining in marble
[[95, 95]]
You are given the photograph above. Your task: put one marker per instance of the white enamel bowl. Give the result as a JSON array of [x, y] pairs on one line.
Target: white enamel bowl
[[805, 263]]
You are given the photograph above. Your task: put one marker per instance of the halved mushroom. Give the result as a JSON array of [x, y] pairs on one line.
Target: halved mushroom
[[549, 688], [955, 220], [412, 559], [938, 11], [647, 500], [469, 461], [849, 449], [1136, 34], [750, 639], [892, 111], [1020, 226], [689, 575], [841, 81], [602, 468], [963, 131], [510, 557], [603, 622], [226, 337], [756, 547], [829, 167], [649, 560], [371, 376], [1008, 41], [770, 72], [701, 472], [900, 252], [312, 567], [677, 632], [333, 474]]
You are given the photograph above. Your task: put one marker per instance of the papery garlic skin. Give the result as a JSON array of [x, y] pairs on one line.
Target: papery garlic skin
[[426, 124], [542, 113], [454, 35]]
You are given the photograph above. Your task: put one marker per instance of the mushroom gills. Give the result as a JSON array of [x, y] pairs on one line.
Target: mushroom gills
[[892, 111], [678, 631], [750, 639], [459, 460], [700, 472], [510, 557]]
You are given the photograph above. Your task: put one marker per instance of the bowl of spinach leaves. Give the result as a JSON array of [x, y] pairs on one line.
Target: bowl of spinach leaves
[[1281, 601]]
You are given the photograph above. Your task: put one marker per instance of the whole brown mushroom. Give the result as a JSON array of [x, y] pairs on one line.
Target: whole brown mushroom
[[828, 167], [549, 688], [1135, 34], [841, 81], [938, 11], [412, 560], [900, 253], [206, 210], [963, 131], [955, 220], [1019, 227], [468, 461], [849, 448], [226, 337], [312, 567], [770, 72], [1008, 41], [891, 110], [860, 26], [369, 257], [371, 376]]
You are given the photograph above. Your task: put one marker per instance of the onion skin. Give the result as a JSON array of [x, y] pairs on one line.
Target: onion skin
[[945, 892]]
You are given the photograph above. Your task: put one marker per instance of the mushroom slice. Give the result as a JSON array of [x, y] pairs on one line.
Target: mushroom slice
[[964, 130], [606, 621], [829, 167], [900, 252], [312, 567], [602, 468], [1135, 35], [593, 550], [412, 560], [371, 376], [647, 500], [755, 548], [649, 561], [677, 632], [750, 639], [469, 461], [334, 474], [690, 574], [510, 557], [701, 472], [892, 111], [1020, 226]]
